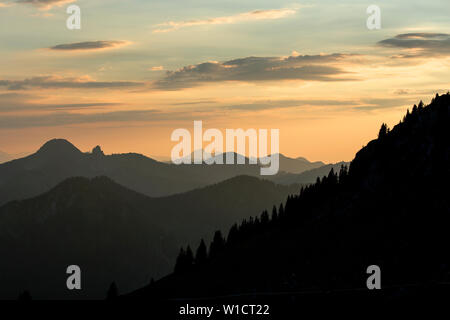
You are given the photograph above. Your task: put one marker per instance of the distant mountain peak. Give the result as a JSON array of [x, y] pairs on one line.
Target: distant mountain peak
[[58, 146], [97, 151]]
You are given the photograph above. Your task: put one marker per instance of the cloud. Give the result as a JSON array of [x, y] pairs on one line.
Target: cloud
[[323, 67], [157, 68], [255, 15], [421, 35], [357, 104], [370, 104], [132, 117], [56, 82], [46, 4], [24, 101], [5, 5], [68, 118], [277, 104], [89, 45], [419, 93], [42, 14], [420, 44]]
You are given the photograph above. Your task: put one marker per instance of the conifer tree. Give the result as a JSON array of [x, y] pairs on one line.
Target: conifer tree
[[281, 211], [343, 174], [383, 131], [274, 214], [189, 259], [25, 296], [201, 255], [233, 235], [332, 177], [421, 105], [265, 218], [179, 264], [112, 293], [217, 245]]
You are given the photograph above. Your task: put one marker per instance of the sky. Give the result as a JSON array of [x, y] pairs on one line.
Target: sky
[[139, 69]]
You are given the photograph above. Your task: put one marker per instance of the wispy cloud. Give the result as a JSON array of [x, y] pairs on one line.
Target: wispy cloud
[[156, 68], [24, 101], [56, 119], [255, 15], [370, 104], [419, 44], [6, 4], [57, 82], [323, 67], [290, 103], [357, 104], [46, 4], [89, 45]]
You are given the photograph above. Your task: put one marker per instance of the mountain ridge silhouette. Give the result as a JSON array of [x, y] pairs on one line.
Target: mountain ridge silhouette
[[59, 159], [113, 232], [390, 208]]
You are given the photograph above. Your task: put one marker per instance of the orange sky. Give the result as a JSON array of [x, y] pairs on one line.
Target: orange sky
[[326, 82]]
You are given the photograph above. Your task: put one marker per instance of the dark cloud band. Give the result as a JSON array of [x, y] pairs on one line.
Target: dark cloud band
[[88, 45], [254, 69], [50, 82], [426, 44], [45, 4]]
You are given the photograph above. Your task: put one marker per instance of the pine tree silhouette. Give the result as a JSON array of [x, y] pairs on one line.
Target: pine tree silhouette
[[201, 255], [274, 214], [25, 296], [384, 129], [233, 235], [217, 245], [281, 211], [265, 218], [180, 263], [189, 258], [112, 293]]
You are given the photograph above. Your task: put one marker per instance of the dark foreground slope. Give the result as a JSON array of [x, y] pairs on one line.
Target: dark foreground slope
[[113, 233], [391, 209]]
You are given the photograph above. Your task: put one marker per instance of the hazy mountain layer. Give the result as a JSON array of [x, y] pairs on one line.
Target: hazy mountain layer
[[114, 233], [58, 160]]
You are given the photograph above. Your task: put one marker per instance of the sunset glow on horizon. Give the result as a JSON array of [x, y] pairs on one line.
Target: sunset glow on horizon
[[135, 73]]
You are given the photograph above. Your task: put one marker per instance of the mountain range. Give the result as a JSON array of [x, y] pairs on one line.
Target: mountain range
[[58, 160], [114, 214], [286, 164], [297, 165], [5, 157], [114, 233]]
